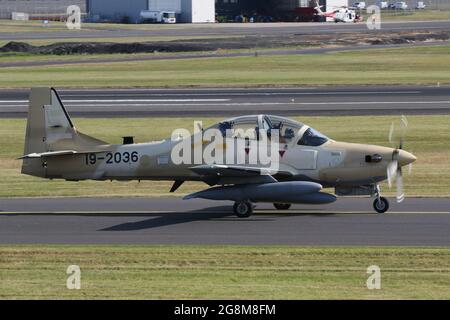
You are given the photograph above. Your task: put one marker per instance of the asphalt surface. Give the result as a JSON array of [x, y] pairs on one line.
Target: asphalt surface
[[415, 222], [223, 29], [348, 100]]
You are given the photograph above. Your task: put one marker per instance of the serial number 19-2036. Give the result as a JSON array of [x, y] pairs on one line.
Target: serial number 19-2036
[[112, 157]]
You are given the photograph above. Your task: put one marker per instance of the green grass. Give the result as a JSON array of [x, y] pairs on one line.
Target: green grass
[[427, 138], [6, 57], [223, 272], [20, 57], [424, 65]]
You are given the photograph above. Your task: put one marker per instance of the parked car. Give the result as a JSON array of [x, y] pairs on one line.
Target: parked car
[[384, 4], [420, 5], [359, 5], [400, 5]]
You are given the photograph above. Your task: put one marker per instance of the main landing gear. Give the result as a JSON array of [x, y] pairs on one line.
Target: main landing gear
[[380, 204], [244, 209]]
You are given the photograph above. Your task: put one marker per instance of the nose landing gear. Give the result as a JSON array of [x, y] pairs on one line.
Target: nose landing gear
[[380, 204]]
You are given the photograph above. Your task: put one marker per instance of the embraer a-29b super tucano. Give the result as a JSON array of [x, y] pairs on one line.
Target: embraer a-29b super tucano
[[306, 161]]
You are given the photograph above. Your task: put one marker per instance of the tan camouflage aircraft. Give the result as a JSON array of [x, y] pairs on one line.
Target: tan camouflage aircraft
[[307, 161]]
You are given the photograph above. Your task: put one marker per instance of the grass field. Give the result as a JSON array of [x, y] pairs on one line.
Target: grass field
[[427, 138], [415, 65], [20, 57], [223, 272]]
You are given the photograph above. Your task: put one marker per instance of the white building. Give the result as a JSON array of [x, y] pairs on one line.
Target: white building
[[197, 11]]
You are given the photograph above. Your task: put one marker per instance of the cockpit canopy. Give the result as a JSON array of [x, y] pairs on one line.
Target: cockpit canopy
[[290, 131]]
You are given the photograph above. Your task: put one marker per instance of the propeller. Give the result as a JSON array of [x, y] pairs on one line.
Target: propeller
[[394, 170]]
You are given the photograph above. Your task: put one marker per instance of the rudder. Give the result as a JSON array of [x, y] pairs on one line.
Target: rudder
[[49, 128]]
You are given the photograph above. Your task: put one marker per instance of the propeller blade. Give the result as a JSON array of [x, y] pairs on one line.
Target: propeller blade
[[404, 125], [404, 121], [400, 193], [410, 166], [394, 171], [391, 133], [391, 172]]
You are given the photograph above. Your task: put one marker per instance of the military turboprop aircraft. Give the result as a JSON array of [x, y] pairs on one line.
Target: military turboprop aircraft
[[308, 160]]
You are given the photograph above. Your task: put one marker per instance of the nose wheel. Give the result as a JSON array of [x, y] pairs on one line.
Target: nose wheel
[[380, 204], [243, 209]]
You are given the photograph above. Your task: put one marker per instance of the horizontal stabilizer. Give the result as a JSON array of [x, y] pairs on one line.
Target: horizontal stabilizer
[[56, 154]]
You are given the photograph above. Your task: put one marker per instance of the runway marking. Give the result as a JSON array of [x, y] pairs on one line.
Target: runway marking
[[128, 100], [258, 212], [348, 103], [187, 89], [253, 93], [239, 103], [149, 100]]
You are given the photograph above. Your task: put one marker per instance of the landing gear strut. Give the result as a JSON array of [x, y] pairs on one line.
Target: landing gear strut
[[380, 204], [282, 206], [243, 209]]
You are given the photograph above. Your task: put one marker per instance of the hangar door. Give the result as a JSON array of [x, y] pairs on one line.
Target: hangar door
[[164, 5]]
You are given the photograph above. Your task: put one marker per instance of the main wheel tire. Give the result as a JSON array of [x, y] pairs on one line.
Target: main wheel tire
[[282, 206], [382, 205], [243, 209]]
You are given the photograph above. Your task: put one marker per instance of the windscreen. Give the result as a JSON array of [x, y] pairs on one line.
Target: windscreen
[[312, 138]]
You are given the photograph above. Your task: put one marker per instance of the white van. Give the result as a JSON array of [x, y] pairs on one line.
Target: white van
[[401, 5], [420, 5], [359, 5]]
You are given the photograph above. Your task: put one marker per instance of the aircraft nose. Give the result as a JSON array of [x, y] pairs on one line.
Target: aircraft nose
[[405, 158]]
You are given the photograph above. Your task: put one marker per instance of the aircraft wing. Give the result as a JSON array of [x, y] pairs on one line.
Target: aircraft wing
[[232, 174]]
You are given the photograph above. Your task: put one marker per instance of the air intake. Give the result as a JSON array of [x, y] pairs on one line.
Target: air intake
[[128, 140]]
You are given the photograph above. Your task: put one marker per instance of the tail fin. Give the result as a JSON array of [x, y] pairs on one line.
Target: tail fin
[[49, 128]]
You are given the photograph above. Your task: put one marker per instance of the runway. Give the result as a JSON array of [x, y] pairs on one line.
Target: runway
[[268, 29], [330, 101], [349, 221]]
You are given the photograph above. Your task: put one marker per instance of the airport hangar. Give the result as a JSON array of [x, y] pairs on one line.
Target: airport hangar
[[110, 10], [188, 11]]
